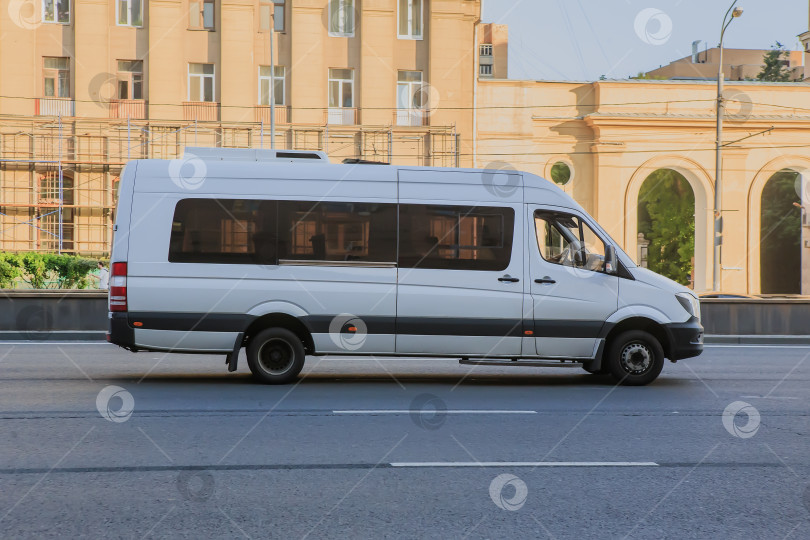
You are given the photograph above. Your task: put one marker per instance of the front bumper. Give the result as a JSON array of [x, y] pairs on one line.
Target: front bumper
[[685, 339]]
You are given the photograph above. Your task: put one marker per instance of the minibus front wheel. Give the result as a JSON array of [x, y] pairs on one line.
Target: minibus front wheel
[[635, 358], [275, 356]]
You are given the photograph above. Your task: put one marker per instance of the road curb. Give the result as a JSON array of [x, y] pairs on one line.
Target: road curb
[[755, 340], [101, 335], [55, 335]]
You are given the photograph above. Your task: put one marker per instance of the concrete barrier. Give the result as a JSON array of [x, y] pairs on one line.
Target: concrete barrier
[[756, 316], [54, 315]]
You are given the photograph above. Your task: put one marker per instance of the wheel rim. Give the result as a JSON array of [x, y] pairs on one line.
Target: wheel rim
[[636, 358], [276, 356]]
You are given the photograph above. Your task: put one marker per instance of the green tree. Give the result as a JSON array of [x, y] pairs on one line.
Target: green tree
[[666, 217], [776, 62], [10, 269]]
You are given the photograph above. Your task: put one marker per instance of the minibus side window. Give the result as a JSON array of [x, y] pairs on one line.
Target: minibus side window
[[455, 237], [224, 231], [567, 240], [337, 231]]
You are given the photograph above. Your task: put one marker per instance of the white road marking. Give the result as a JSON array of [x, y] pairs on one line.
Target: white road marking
[[433, 412], [526, 464], [769, 397]]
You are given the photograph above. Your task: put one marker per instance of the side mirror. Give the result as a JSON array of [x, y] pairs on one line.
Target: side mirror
[[611, 260]]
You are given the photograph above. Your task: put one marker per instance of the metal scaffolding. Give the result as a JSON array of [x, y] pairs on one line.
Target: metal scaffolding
[[59, 176]]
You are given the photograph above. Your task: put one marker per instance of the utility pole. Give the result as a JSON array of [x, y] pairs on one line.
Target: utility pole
[[718, 157]]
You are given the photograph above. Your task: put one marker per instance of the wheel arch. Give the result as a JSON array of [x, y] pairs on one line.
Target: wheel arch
[[645, 324], [281, 320]]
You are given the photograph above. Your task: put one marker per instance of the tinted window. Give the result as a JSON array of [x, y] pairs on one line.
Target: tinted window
[[225, 231], [336, 231], [455, 237], [567, 240]]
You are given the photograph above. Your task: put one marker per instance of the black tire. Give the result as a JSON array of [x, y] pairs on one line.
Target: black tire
[[275, 356], [635, 358]]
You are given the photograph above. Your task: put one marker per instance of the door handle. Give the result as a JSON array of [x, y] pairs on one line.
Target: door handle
[[509, 278], [546, 279]]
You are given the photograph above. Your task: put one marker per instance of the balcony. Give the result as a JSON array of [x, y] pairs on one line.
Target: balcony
[[411, 117], [53, 106], [128, 108], [263, 113], [201, 111], [342, 116]]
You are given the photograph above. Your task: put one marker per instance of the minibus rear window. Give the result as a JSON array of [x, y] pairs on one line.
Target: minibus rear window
[[455, 237], [224, 231]]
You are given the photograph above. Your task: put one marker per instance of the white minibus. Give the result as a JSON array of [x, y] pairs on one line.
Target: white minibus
[[288, 255]]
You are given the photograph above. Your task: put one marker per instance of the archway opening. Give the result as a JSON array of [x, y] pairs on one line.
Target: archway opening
[[666, 226], [780, 260]]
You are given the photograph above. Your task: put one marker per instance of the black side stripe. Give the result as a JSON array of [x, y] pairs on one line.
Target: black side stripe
[[425, 326]]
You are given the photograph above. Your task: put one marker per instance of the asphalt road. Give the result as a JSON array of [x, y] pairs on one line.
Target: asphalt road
[[400, 448]]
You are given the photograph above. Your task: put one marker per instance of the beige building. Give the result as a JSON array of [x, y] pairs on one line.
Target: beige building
[[86, 85], [738, 65], [611, 135]]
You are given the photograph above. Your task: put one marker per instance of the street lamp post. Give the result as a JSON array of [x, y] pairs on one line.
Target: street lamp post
[[718, 175]]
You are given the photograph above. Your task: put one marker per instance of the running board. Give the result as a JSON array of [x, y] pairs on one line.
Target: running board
[[517, 363]]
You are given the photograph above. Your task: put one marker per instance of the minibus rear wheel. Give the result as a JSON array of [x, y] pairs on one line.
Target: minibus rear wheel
[[635, 358], [275, 356]]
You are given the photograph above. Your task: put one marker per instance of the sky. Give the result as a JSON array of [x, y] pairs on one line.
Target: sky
[[584, 39]]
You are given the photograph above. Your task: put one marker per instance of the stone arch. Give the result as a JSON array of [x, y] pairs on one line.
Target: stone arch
[[800, 164], [701, 184]]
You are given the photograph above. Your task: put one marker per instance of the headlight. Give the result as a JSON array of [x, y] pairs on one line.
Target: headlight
[[690, 303]]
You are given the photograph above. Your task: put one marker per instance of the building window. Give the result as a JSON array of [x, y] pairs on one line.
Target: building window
[[341, 88], [485, 70], [56, 11], [271, 86], [410, 19], [485, 50], [409, 90], [130, 12], [341, 18], [410, 99], [57, 77], [201, 15], [201, 82], [271, 14], [130, 79]]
